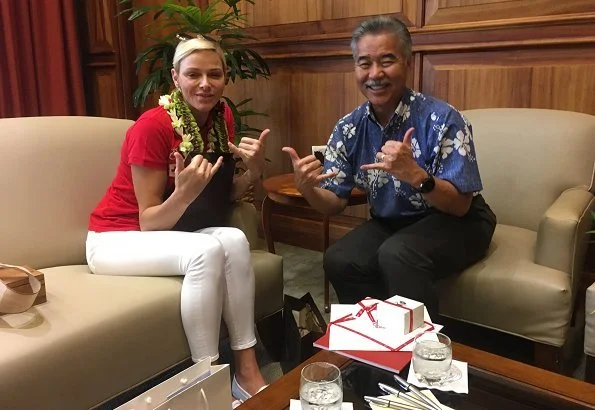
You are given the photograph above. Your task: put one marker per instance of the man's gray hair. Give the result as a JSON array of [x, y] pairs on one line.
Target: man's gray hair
[[383, 25]]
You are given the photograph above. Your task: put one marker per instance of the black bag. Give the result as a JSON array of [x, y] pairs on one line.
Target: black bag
[[213, 206], [304, 324]]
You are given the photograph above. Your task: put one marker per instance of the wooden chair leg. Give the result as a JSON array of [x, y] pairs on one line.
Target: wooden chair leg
[[271, 332], [547, 357], [590, 369]]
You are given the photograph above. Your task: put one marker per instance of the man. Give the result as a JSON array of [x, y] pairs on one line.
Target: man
[[415, 158]]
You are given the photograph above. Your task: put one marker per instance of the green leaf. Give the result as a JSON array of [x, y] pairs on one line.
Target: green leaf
[[247, 100], [141, 11]]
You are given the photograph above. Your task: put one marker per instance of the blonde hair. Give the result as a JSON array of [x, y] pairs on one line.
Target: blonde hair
[[198, 43]]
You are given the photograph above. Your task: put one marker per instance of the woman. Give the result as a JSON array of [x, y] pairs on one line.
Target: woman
[[153, 220]]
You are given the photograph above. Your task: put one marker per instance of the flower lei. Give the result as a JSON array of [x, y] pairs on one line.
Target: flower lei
[[184, 123]]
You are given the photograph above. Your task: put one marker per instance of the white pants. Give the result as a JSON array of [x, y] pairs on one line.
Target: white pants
[[218, 278]]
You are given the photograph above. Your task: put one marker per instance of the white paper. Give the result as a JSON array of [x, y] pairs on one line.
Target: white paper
[[426, 393], [297, 405], [457, 386], [359, 333]]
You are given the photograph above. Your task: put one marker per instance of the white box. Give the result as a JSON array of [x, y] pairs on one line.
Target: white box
[[397, 312], [199, 387]]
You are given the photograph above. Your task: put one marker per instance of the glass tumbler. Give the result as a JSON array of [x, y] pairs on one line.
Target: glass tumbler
[[432, 357], [321, 387]]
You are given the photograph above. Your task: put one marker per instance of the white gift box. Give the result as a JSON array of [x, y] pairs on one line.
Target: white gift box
[[405, 315], [378, 325]]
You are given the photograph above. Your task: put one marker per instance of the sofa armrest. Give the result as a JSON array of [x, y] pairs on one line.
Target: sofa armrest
[[562, 235], [245, 217]]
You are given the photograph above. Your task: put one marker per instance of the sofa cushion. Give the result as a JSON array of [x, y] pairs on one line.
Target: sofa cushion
[[492, 295], [118, 331]]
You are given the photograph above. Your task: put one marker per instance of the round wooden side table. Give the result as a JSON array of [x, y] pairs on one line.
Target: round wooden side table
[[280, 189]]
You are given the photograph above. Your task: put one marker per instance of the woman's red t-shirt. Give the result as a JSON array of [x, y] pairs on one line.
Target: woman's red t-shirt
[[149, 142]]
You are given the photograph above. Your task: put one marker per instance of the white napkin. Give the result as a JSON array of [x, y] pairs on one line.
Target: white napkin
[[426, 393], [297, 405], [458, 386]]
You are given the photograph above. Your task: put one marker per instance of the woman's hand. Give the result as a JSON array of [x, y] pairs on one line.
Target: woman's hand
[[191, 180], [251, 151]]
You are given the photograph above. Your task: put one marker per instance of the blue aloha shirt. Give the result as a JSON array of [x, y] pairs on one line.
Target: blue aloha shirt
[[442, 144]]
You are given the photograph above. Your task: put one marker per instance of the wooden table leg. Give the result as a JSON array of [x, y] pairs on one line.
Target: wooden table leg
[[267, 209], [325, 224]]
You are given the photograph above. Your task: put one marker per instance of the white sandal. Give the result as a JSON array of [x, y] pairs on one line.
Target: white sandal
[[239, 393]]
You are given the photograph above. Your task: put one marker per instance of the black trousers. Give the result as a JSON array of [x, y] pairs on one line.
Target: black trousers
[[386, 257]]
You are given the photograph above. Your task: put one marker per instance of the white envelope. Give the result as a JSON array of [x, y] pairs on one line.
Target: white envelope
[[351, 332]]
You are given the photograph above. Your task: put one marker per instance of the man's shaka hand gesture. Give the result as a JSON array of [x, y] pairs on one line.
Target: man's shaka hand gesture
[[307, 171], [396, 158]]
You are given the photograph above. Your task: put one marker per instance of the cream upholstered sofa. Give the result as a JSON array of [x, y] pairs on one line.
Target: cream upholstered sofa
[[537, 171], [96, 336]]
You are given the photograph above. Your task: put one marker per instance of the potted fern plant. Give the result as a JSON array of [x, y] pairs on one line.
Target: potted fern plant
[[219, 22]]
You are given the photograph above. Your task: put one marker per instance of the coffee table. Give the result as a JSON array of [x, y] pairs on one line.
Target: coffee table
[[495, 383]]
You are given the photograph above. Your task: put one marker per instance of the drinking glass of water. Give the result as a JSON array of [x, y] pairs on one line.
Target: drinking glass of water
[[432, 358], [321, 387]]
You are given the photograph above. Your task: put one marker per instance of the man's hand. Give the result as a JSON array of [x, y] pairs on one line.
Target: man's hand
[[307, 171], [251, 151], [191, 180], [397, 159]]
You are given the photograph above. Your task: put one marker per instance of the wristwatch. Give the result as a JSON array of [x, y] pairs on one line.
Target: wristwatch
[[427, 185]]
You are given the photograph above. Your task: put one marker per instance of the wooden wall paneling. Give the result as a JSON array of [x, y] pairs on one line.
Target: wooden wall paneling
[[555, 78], [513, 37], [280, 25], [414, 11], [99, 29], [276, 12], [503, 12], [108, 61], [103, 82]]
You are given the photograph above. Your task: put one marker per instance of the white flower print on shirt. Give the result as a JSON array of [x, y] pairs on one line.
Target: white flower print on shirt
[[461, 143], [361, 181], [397, 185], [417, 201], [377, 178], [415, 148], [349, 130], [406, 112], [446, 147], [331, 153], [339, 178]]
